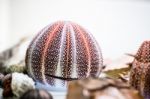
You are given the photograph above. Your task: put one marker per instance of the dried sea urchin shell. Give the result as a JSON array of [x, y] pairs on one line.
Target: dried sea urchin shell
[[63, 51], [140, 71]]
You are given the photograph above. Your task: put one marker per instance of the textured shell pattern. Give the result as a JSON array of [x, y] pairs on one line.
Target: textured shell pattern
[[140, 71], [63, 49]]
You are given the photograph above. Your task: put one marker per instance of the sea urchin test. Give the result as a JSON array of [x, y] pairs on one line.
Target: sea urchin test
[[140, 71], [61, 52]]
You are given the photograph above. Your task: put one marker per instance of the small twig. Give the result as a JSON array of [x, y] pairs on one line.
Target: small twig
[[62, 78], [128, 54]]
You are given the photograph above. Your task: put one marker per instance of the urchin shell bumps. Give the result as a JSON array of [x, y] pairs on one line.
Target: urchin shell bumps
[[140, 71], [63, 50]]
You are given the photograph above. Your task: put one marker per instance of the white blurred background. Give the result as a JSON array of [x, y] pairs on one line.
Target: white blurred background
[[120, 26]]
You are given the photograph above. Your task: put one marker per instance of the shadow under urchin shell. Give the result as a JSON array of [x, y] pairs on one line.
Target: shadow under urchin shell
[[140, 71], [63, 50]]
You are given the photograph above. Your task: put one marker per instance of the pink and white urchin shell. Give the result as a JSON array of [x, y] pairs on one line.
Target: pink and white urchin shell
[[61, 52], [140, 71]]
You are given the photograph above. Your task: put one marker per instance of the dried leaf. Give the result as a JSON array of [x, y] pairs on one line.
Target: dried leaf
[[118, 73]]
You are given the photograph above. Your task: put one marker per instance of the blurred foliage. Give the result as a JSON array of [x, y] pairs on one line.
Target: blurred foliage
[[9, 54], [16, 68]]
